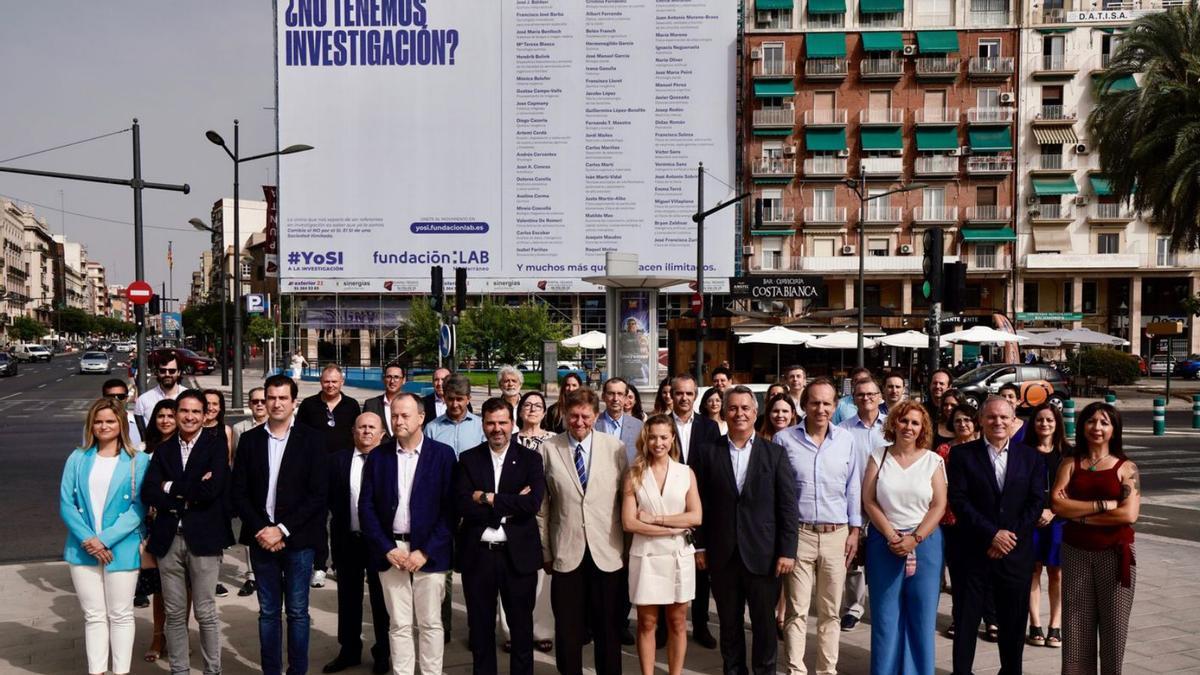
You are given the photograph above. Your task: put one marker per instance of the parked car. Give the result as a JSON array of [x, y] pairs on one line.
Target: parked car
[[1037, 383], [8, 365], [124, 346], [94, 362], [189, 361], [1160, 364], [1188, 368], [31, 352]]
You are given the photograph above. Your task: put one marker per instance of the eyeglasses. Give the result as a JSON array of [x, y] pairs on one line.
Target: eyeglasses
[[119, 397], [168, 371], [866, 394], [532, 406], [258, 401], [965, 420]]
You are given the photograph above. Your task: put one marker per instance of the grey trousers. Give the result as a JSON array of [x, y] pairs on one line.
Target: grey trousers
[[179, 570], [854, 598]]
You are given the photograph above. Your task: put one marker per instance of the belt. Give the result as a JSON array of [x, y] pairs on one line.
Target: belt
[[400, 537], [822, 528], [494, 545]]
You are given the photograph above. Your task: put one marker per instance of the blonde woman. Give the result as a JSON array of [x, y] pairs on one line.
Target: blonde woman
[[100, 503], [660, 504]]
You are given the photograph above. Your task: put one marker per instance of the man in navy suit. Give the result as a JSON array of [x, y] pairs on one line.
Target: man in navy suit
[[407, 514], [996, 489], [280, 486], [186, 483], [498, 487]]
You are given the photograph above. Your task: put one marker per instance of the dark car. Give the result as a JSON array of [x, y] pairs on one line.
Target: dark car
[[1037, 384], [8, 365], [1188, 368], [189, 361]]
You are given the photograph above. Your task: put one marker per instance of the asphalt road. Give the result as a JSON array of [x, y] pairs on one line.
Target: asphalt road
[[41, 421]]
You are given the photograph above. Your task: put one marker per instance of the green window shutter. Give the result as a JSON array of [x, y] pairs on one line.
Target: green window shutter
[[826, 6], [774, 89], [937, 41], [1100, 186], [774, 4], [882, 138], [825, 140], [938, 138], [989, 139], [880, 6], [825, 45], [988, 235], [1051, 187], [882, 42]]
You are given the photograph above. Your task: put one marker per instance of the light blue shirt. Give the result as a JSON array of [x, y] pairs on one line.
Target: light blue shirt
[[866, 438], [828, 476], [462, 435], [845, 409], [606, 424], [740, 459], [587, 450]]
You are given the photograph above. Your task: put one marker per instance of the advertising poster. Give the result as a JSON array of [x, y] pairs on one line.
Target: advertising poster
[[521, 140], [633, 338]]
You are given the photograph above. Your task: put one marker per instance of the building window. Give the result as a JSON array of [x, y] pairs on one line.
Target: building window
[[988, 98], [878, 247], [881, 20], [774, 19], [933, 203], [823, 247], [1089, 297], [872, 296], [1030, 292], [989, 48], [1163, 257], [772, 253], [772, 58], [1068, 293], [1054, 48], [823, 200], [1108, 242], [935, 13], [985, 256], [826, 20]]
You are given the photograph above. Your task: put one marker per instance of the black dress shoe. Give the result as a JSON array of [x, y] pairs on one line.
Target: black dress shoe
[[381, 666], [342, 662], [704, 638]]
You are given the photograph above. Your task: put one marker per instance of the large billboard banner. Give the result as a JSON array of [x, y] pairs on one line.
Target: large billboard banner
[[522, 140]]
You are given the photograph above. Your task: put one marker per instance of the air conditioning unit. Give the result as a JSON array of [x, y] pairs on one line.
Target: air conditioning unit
[[906, 249], [789, 149], [1008, 98], [964, 150], [756, 54], [848, 249], [910, 50], [843, 153], [748, 249], [954, 153], [1081, 148], [1081, 200]]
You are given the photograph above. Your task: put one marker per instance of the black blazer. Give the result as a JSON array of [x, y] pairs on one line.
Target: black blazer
[[339, 503], [375, 405], [705, 433], [522, 468], [760, 523], [301, 488], [982, 508], [200, 503]]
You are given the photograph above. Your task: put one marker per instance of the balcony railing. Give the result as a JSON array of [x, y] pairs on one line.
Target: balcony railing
[[1055, 63], [934, 19], [774, 68], [989, 17], [1098, 261], [825, 214], [989, 212], [890, 166], [771, 166], [825, 117], [985, 164], [935, 214], [881, 20], [1055, 113], [937, 115], [881, 116], [835, 67], [779, 215], [1051, 212], [1111, 211], [938, 66], [983, 261], [826, 20], [883, 214], [936, 164], [881, 67], [1050, 16], [989, 115], [990, 65], [825, 166], [775, 117]]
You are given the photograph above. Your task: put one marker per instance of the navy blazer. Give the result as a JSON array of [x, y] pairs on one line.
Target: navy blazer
[[522, 468], [199, 503], [339, 502], [982, 508], [301, 489], [430, 504]]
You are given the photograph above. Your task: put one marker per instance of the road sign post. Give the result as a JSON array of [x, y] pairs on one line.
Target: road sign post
[[139, 292]]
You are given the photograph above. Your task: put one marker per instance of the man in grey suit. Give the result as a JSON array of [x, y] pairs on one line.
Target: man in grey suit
[[614, 421]]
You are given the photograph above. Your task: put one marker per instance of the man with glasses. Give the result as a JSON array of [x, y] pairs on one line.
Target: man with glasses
[[332, 414], [258, 416], [866, 428], [116, 388], [167, 375], [846, 406], [394, 378]]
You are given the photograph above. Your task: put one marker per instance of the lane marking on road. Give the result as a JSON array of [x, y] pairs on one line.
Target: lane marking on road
[[1170, 471], [2, 398], [41, 386], [59, 380]]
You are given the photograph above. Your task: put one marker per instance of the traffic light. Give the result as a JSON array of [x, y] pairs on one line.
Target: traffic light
[[155, 305], [460, 290], [139, 315], [934, 246], [954, 287], [438, 295]]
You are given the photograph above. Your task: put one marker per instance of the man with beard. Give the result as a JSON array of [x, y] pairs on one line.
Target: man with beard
[[167, 374]]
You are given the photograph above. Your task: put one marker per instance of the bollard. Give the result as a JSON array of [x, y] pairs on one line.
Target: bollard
[[1110, 399], [1160, 417], [1068, 413], [1196, 411]]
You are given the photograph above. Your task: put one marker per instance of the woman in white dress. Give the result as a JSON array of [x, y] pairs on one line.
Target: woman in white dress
[[660, 505]]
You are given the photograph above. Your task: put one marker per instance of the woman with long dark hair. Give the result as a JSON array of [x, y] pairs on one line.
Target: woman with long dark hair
[[633, 403], [1049, 437], [214, 418], [662, 400], [943, 433], [553, 421], [780, 414], [710, 407]]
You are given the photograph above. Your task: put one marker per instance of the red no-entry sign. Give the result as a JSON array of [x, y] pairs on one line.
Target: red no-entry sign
[[697, 302], [139, 292]]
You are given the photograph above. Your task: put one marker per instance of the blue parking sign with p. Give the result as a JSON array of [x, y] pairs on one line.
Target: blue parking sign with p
[[257, 303]]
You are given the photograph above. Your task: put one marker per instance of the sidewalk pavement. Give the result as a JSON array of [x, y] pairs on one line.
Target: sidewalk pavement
[[41, 626]]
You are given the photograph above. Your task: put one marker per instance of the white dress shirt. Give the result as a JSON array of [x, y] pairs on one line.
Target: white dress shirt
[[185, 451], [356, 476], [439, 406], [684, 431], [586, 443], [999, 459], [406, 468], [740, 458], [496, 534], [275, 447]]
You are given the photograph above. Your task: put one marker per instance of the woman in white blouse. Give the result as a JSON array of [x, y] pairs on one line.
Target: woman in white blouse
[[904, 494]]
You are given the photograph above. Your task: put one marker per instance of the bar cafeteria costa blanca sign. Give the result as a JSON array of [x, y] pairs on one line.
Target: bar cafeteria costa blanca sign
[[765, 287]]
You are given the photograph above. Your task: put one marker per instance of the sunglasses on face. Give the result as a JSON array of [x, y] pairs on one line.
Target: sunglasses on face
[[258, 401], [119, 397], [168, 371]]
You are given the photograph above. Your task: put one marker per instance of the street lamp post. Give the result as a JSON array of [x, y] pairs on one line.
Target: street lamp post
[[235, 155], [218, 231], [859, 186]]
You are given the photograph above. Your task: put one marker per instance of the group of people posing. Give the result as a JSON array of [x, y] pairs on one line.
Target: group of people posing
[[562, 519]]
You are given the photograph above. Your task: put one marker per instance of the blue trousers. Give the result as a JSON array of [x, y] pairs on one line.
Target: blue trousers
[[283, 580], [903, 609]]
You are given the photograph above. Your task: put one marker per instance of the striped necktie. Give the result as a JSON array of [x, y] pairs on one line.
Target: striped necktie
[[580, 468]]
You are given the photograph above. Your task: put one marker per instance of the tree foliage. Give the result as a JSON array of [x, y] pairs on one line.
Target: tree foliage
[[421, 333], [1149, 137], [1119, 367], [493, 333], [25, 329], [258, 329]]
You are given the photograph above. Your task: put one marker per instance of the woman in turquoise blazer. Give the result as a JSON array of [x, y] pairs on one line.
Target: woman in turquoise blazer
[[100, 503]]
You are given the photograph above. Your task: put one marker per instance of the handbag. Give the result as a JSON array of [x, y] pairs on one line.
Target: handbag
[[148, 580]]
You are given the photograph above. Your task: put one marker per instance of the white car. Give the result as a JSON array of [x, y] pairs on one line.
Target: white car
[[31, 352], [124, 346], [95, 362]]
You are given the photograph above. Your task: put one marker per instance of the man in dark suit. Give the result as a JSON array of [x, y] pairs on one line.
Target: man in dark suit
[[694, 434], [748, 539], [280, 486], [498, 487], [407, 513], [996, 489], [186, 483], [435, 403], [394, 378], [350, 556]]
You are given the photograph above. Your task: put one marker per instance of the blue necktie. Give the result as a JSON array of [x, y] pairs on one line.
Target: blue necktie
[[580, 468]]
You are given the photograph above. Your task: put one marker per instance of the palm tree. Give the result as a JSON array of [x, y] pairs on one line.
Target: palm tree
[[1149, 137]]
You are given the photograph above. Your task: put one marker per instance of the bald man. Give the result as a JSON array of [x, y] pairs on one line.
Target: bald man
[[349, 549]]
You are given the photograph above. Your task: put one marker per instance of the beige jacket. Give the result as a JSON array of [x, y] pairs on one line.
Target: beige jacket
[[569, 520]]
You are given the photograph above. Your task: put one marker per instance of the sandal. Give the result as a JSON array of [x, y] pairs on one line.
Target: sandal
[[1054, 637], [151, 656], [950, 631], [544, 646], [992, 633], [1036, 637]]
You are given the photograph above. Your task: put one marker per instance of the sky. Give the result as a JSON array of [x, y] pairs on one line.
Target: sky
[[76, 69]]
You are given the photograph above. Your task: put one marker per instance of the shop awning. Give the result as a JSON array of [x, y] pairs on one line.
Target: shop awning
[[773, 89], [984, 235], [772, 132], [1123, 83], [883, 42], [825, 45], [1100, 186], [1051, 240], [989, 139], [937, 138], [1054, 31], [772, 233], [882, 138], [826, 6], [774, 4], [937, 41], [1050, 187], [825, 140], [880, 6], [1055, 135]]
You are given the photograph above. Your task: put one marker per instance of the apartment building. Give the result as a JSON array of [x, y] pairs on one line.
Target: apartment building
[[97, 289], [891, 94], [13, 275], [43, 264]]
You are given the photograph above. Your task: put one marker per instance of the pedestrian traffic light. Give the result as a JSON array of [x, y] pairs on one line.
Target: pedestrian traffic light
[[954, 287], [437, 294], [934, 246], [460, 290], [155, 305]]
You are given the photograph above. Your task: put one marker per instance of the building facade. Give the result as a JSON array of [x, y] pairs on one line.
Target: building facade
[[98, 300], [14, 280]]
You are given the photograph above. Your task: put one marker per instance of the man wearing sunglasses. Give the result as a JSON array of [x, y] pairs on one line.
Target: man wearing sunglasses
[[117, 389], [167, 374]]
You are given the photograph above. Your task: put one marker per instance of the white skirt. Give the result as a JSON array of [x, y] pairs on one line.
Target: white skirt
[[663, 579]]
